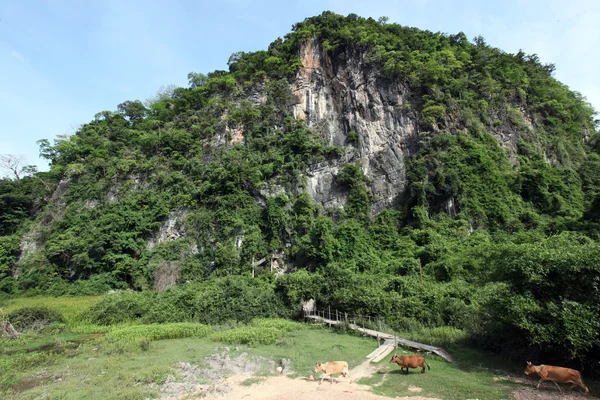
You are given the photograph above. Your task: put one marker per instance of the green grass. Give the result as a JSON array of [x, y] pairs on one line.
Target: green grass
[[443, 336], [28, 342], [70, 307], [95, 370], [159, 331], [471, 376], [90, 372], [259, 331], [309, 346]]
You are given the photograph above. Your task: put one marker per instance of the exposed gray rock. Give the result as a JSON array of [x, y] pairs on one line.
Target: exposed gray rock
[[171, 229], [33, 240], [192, 380], [335, 100]]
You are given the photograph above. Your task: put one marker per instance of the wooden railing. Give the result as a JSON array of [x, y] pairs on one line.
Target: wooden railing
[[368, 325]]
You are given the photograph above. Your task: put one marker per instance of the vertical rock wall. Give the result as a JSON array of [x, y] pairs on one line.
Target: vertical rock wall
[[335, 99]]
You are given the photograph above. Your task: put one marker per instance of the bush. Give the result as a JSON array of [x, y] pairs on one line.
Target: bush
[[117, 308], [283, 325], [159, 332], [33, 318], [352, 137], [212, 302], [259, 331]]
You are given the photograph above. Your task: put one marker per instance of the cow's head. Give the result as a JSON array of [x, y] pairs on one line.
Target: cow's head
[[394, 357], [318, 367], [530, 368]]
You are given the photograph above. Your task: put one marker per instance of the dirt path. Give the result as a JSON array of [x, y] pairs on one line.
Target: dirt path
[[547, 390], [363, 370], [535, 394], [281, 387]]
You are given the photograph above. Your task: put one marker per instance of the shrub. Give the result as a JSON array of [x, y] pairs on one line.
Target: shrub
[[283, 325], [259, 331], [118, 308], [352, 137], [159, 332], [212, 302], [32, 318]]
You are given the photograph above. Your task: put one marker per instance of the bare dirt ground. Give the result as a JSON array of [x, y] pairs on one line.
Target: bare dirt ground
[[547, 391], [281, 387], [548, 394], [225, 375]]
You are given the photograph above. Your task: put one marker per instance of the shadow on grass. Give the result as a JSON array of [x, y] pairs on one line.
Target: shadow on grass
[[397, 372]]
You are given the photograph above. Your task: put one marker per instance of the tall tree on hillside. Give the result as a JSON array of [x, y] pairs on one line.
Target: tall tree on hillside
[[134, 110]]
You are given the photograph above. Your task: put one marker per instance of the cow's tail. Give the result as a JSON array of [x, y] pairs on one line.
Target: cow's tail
[[428, 367]]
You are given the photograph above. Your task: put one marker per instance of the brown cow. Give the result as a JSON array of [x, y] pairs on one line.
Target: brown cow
[[410, 362], [557, 374], [333, 367]]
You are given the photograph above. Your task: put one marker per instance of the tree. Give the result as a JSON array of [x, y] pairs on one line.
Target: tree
[[382, 20], [197, 79], [12, 163], [134, 110], [32, 171], [163, 93]]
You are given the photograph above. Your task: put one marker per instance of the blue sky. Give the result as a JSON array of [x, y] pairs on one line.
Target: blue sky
[[62, 61]]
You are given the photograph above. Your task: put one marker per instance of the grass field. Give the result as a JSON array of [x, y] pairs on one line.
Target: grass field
[[132, 361], [96, 371], [464, 379], [72, 308]]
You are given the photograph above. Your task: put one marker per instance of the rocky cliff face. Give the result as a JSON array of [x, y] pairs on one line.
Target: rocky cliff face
[[338, 99]]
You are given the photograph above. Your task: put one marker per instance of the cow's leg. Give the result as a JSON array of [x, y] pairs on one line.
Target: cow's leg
[[559, 389], [423, 370], [322, 377], [584, 388], [540, 382]]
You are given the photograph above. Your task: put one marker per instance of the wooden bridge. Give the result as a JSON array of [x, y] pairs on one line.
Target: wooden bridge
[[390, 342]]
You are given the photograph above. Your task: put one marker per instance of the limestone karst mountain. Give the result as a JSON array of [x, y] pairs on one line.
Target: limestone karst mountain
[[378, 168]]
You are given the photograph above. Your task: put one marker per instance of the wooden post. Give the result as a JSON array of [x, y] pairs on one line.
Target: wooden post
[[396, 342], [253, 266], [329, 314], [420, 269], [346, 317]]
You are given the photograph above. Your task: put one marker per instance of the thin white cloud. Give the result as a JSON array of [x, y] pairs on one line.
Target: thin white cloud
[[18, 56]]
